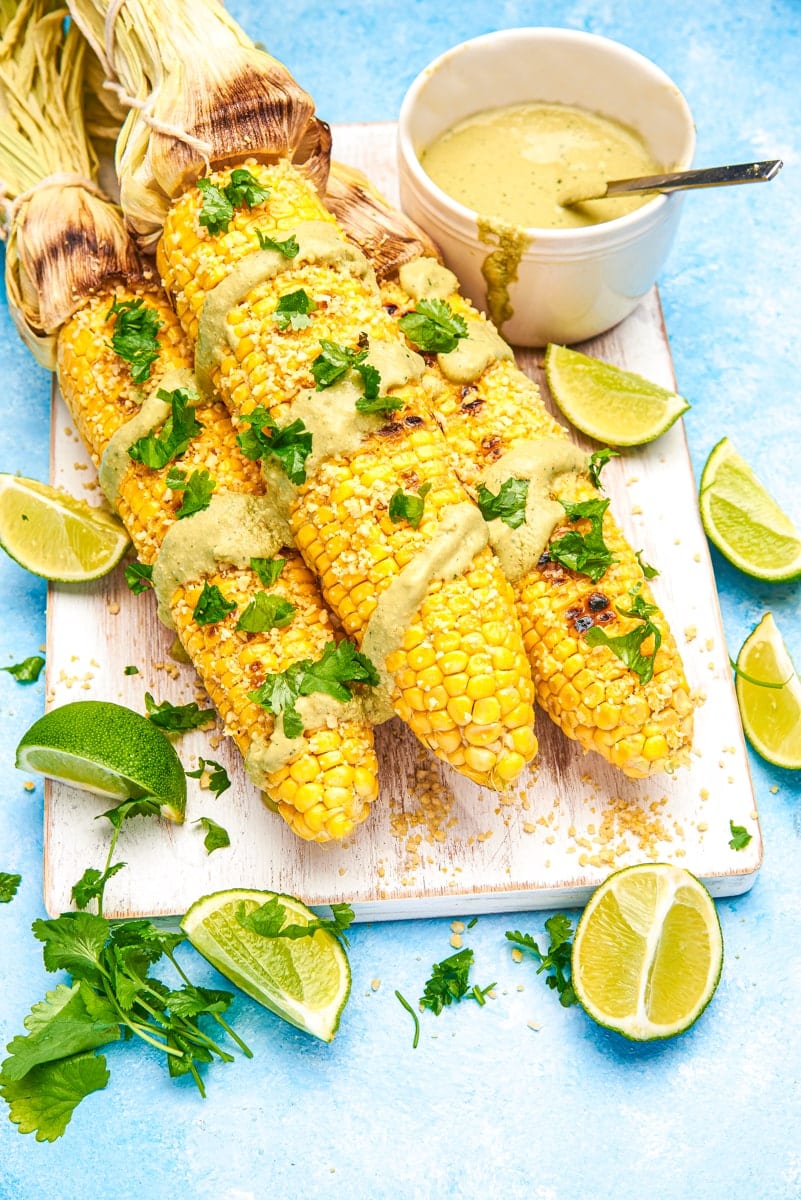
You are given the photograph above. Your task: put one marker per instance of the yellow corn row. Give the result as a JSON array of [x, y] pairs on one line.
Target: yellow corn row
[[587, 691], [460, 676], [326, 789]]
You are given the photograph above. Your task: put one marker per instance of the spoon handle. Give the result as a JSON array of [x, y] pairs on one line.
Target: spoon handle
[[674, 181]]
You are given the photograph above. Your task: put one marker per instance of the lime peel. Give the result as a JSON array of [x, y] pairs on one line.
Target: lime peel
[[771, 715]]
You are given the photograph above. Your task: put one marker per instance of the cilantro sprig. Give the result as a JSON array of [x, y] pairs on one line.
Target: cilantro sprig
[[449, 983], [555, 960], [509, 504], [8, 886], [217, 838], [27, 671], [340, 666], [178, 718], [155, 450], [334, 361], [197, 489], [293, 310], [434, 327], [271, 920], [289, 248], [587, 552], [212, 605], [135, 335], [219, 781], [628, 646], [289, 444], [740, 837], [408, 506], [219, 204]]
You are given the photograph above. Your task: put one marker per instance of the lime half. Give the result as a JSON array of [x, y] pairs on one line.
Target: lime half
[[771, 716], [305, 980], [107, 749], [50, 533], [744, 522], [607, 403], [648, 952]]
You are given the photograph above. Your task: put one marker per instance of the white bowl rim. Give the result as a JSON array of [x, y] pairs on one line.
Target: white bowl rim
[[582, 235]]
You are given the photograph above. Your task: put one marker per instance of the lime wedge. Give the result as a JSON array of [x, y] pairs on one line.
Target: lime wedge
[[305, 980], [648, 952], [613, 406], [50, 533], [744, 522], [771, 716], [104, 748]]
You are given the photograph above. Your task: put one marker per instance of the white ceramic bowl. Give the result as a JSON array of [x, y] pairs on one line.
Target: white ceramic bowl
[[571, 283]]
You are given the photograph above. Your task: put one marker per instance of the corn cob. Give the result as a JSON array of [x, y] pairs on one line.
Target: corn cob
[[319, 802], [327, 783], [458, 676]]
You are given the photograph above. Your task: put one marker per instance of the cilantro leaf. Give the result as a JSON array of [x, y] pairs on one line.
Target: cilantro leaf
[[217, 211], [371, 381], [27, 671], [134, 338], [44, 1100], [212, 605], [509, 504], [61, 1025], [587, 552], [382, 405], [406, 506], [268, 920], [155, 450], [740, 836], [74, 942], [434, 327], [628, 646], [141, 806], [340, 665], [176, 718], [266, 611], [289, 248], [293, 309], [333, 363], [197, 490], [218, 776], [92, 884], [267, 569], [598, 460], [216, 837], [555, 961], [245, 189], [139, 577], [8, 886], [449, 982], [193, 1001], [289, 444], [648, 571]]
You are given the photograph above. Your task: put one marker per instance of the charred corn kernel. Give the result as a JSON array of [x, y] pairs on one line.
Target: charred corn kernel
[[101, 396], [482, 422], [339, 515]]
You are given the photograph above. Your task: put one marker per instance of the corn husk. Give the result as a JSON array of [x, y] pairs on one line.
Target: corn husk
[[64, 240], [387, 236], [201, 95]]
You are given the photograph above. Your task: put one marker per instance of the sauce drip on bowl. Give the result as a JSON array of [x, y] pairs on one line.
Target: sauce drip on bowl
[[513, 164]]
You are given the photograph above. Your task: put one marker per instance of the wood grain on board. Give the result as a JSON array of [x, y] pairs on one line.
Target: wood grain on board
[[435, 844]]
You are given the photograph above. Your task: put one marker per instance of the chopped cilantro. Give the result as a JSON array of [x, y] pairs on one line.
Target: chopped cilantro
[[134, 338], [382, 405], [587, 552], [130, 670], [449, 983], [197, 490], [556, 959], [627, 646], [289, 248], [648, 571], [219, 204], [334, 361], [406, 506], [27, 671], [340, 666], [266, 611], [217, 838], [8, 886], [509, 504], [740, 837], [293, 309], [139, 577], [433, 327], [156, 450], [289, 444], [598, 460], [218, 776], [270, 920], [177, 718], [212, 605], [267, 569]]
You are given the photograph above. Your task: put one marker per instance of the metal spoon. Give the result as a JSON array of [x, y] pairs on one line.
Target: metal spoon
[[676, 181]]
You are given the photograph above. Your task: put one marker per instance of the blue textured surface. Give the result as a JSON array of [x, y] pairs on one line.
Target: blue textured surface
[[486, 1106]]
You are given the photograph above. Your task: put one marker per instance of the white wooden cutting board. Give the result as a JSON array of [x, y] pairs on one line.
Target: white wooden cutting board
[[435, 844]]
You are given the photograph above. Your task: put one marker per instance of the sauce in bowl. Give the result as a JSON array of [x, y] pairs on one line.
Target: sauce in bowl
[[514, 164]]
